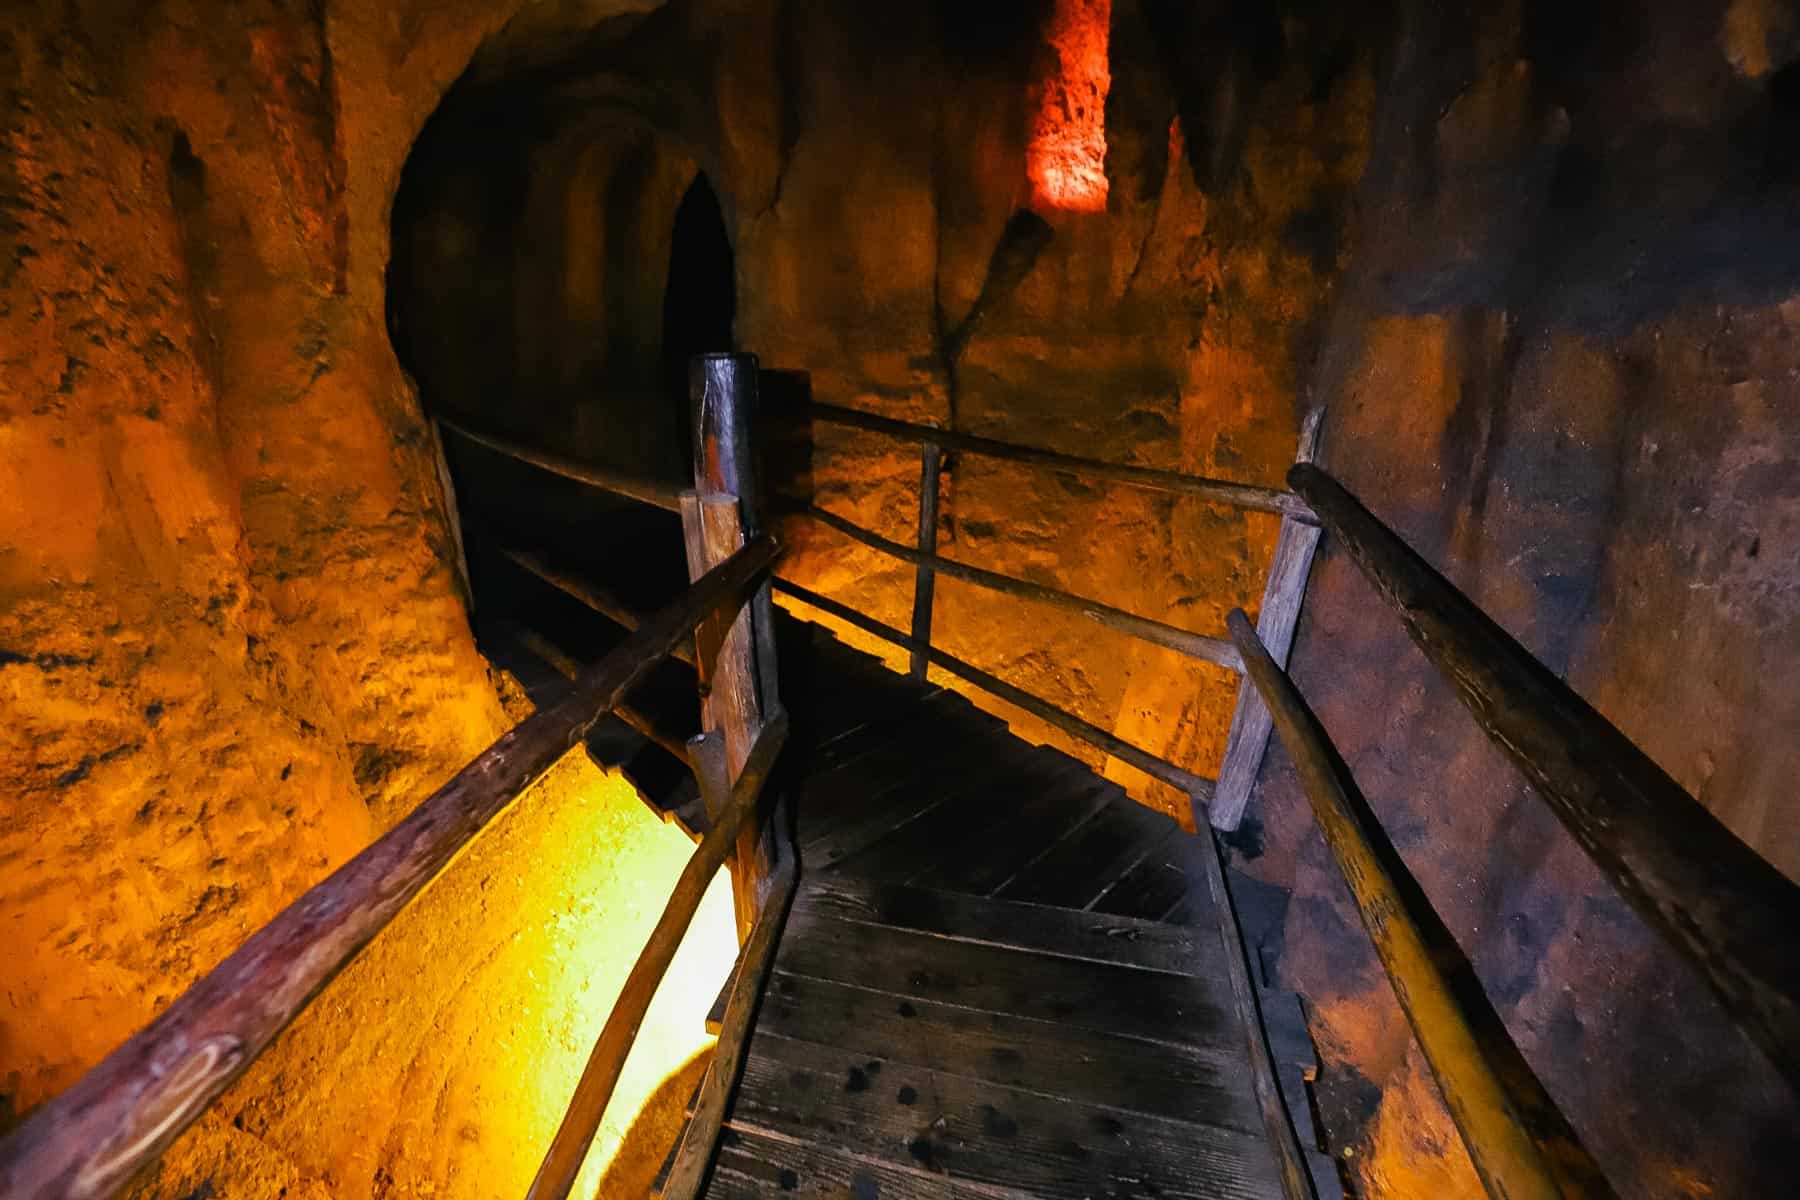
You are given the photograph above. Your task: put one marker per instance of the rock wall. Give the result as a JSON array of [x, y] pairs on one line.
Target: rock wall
[[232, 643], [1561, 363]]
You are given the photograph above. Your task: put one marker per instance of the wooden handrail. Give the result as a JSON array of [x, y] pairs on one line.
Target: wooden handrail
[[1725, 907], [1198, 787], [645, 491], [1278, 1123], [1219, 491], [119, 1116], [1194, 645], [1520, 1144], [700, 1139], [569, 1148], [569, 667]]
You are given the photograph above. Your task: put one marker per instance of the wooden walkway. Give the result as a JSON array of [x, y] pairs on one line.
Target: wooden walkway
[[1001, 978]]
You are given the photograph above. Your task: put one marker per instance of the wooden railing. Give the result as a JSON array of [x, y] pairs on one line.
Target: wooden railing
[[1727, 910], [1246, 741], [121, 1115]]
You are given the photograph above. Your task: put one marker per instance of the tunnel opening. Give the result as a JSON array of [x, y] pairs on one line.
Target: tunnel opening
[[700, 297]]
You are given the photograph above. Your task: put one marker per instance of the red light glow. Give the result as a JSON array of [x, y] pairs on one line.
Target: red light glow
[[1066, 157]]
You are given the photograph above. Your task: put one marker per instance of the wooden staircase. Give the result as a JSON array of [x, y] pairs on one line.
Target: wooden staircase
[[1001, 977]]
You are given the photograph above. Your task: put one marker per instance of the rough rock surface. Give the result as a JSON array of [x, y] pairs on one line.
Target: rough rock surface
[[1561, 362], [232, 645]]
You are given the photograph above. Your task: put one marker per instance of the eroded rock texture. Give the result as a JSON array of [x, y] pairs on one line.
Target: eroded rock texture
[[232, 645], [1561, 363]]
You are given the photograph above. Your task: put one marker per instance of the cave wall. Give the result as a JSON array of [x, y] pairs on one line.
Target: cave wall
[[232, 644], [1561, 363]]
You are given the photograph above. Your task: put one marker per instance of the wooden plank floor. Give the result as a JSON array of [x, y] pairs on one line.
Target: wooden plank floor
[[1001, 978]]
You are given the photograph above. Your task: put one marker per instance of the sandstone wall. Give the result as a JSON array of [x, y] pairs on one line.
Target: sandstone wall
[[1562, 364], [232, 645]]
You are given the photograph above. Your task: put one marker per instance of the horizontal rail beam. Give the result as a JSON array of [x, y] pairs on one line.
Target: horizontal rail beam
[[1713, 898], [119, 1116], [1195, 645], [569, 667], [644, 491], [587, 593], [562, 1163], [1219, 491], [1495, 1100], [1198, 787]]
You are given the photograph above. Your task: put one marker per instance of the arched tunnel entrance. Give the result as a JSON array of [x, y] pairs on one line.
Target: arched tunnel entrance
[[553, 274]]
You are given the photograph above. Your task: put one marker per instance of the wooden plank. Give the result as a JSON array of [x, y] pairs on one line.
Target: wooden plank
[[931, 460], [987, 859], [1198, 788], [1160, 880], [1150, 945], [568, 1149], [1179, 1010], [1284, 1021], [1198, 1086], [1278, 1124], [1216, 491], [1029, 785], [753, 1165], [694, 1156], [985, 809], [587, 593], [1517, 1138], [569, 668], [887, 780], [1216, 650], [715, 1016], [886, 810], [967, 1131], [653, 492], [731, 695], [1078, 870], [122, 1114], [1729, 911], [1283, 593]]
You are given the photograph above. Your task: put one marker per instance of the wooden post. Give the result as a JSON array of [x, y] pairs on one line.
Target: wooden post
[[1522, 1147], [1708, 894], [738, 685], [1276, 622], [925, 579]]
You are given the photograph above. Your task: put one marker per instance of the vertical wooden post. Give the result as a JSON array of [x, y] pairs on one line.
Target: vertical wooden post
[[1276, 622], [738, 684], [931, 462]]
